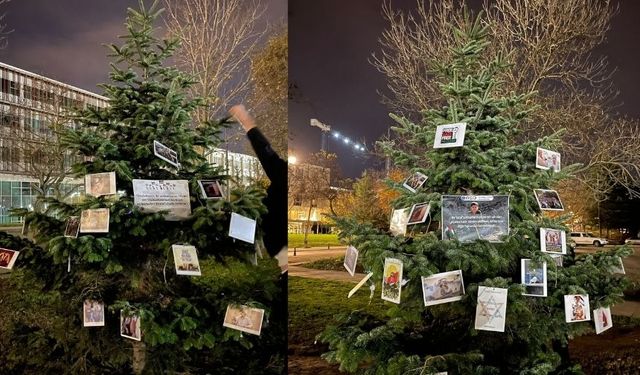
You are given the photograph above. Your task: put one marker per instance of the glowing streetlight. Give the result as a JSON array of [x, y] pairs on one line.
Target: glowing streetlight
[[292, 159]]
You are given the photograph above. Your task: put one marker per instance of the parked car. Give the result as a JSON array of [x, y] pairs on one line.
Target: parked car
[[632, 241], [586, 238]]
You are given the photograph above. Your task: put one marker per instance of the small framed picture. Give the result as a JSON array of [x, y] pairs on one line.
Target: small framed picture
[[450, 135], [130, 326], [242, 228], [210, 189], [399, 219], [351, 260], [244, 318], [73, 227], [392, 280], [491, 309], [186, 260], [415, 182], [99, 184], [8, 258], [94, 220], [546, 159], [419, 213], [548, 200], [553, 241], [602, 319], [93, 313], [534, 278], [442, 288], [576, 308], [165, 153]]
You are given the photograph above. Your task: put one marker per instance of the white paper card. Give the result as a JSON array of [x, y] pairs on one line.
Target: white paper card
[[351, 260], [450, 135], [242, 228], [602, 319], [491, 310], [359, 284]]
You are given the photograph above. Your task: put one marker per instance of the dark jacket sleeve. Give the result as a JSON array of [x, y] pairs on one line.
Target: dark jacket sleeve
[[274, 222]]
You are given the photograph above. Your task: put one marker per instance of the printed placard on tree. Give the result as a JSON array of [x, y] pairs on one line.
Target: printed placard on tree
[[130, 326], [553, 241], [548, 200], [534, 278], [602, 319], [185, 258], [99, 184], [73, 227], [8, 258], [491, 310], [419, 213], [415, 182], [351, 260], [450, 135], [92, 313], [399, 220], [442, 287], [95, 220], [165, 153], [244, 318], [169, 196], [547, 159], [392, 280], [475, 217], [576, 308]]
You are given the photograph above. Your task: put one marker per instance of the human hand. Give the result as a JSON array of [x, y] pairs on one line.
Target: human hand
[[240, 113]]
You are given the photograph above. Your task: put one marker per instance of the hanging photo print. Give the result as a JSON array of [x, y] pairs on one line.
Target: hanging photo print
[[351, 260], [491, 310], [8, 258], [442, 288], [186, 260], [415, 182], [94, 220], [92, 313], [548, 200], [210, 189], [73, 227], [130, 326], [99, 184], [553, 241], [419, 213], [451, 135], [534, 278], [602, 319], [165, 153], [391, 280], [546, 159], [242, 228], [576, 308], [475, 217], [399, 219], [244, 318]]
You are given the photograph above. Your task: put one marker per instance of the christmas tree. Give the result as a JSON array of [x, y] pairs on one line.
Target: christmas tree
[[483, 231], [123, 264]]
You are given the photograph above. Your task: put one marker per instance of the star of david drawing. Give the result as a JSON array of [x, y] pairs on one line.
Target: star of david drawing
[[491, 309]]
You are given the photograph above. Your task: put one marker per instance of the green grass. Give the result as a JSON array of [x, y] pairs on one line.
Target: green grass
[[313, 240], [330, 264], [313, 304]]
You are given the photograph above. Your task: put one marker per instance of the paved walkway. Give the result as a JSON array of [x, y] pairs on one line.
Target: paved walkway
[[325, 275]]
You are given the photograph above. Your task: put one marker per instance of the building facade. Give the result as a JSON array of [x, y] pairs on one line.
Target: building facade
[[308, 196], [32, 108]]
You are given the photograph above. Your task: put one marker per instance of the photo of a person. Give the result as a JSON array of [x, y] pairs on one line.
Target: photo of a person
[[553, 241], [210, 189], [244, 318], [419, 213], [474, 209], [130, 327], [547, 159], [576, 308], [602, 319], [534, 278], [93, 313], [94, 220], [99, 184], [442, 288], [548, 200], [73, 227], [399, 220], [8, 258]]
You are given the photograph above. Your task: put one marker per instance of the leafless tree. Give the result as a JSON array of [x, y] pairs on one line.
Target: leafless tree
[[218, 38], [4, 32], [550, 47]]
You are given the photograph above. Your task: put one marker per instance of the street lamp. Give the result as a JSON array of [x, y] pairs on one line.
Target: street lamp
[[292, 159]]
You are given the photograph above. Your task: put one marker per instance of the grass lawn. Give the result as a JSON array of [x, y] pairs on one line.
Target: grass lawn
[[313, 304], [313, 240]]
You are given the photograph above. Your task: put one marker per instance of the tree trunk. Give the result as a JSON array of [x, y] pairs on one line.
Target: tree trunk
[[139, 357], [307, 226]]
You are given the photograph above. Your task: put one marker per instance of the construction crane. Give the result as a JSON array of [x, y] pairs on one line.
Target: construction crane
[[326, 129]]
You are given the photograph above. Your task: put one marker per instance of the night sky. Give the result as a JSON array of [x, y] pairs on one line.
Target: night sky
[[63, 39], [330, 43]]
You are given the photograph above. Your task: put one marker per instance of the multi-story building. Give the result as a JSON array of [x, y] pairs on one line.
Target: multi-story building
[[32, 107], [309, 192]]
